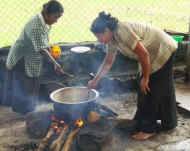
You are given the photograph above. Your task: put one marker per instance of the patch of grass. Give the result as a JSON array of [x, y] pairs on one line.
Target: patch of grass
[[75, 23]]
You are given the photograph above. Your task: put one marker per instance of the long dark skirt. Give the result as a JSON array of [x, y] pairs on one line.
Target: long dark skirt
[[25, 90], [159, 104], [7, 89]]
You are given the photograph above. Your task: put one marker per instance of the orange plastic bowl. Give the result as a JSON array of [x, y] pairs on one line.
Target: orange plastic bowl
[[55, 51]]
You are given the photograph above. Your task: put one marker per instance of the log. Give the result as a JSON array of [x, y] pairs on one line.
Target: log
[[94, 117], [45, 141], [106, 109], [58, 143], [69, 140]]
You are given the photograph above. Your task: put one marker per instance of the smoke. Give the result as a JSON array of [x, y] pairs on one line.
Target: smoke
[[118, 80], [81, 65], [43, 107]]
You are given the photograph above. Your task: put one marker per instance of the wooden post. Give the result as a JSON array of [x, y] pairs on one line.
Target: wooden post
[[188, 56], [189, 26]]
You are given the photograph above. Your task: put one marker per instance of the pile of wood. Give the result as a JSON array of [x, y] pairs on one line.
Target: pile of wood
[[64, 133]]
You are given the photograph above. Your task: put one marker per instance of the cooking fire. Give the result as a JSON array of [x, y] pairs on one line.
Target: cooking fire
[[80, 120], [65, 133]]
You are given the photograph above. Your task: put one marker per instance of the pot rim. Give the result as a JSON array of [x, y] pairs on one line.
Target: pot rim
[[82, 102]]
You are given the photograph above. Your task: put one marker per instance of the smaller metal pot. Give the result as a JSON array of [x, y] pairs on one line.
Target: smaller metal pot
[[74, 102]]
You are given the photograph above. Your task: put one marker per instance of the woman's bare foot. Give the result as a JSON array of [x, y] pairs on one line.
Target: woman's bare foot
[[142, 136]]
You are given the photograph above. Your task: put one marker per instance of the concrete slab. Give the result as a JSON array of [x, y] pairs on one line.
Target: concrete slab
[[176, 146]]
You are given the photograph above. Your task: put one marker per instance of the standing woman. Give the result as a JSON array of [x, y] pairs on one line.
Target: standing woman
[[25, 58], [154, 50]]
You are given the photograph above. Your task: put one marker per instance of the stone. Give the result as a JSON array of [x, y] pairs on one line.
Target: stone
[[176, 146]]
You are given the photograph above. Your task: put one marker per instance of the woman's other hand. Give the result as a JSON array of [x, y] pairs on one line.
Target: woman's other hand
[[144, 85], [92, 84]]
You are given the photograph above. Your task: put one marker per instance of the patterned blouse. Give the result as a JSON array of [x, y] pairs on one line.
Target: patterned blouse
[[32, 39]]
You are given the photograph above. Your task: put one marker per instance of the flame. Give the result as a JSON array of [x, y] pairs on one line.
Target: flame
[[62, 122], [55, 127], [57, 124], [79, 123], [54, 118]]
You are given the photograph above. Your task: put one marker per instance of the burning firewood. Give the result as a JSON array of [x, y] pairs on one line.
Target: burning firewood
[[79, 123], [54, 128], [45, 140], [69, 140], [58, 143]]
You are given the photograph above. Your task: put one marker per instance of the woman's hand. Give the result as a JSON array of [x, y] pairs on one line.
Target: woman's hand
[[58, 69], [144, 85], [92, 84]]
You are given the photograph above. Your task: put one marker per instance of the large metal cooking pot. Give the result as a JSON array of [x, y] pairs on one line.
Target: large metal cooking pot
[[74, 102]]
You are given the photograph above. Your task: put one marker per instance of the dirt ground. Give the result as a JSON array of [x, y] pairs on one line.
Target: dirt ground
[[13, 133]]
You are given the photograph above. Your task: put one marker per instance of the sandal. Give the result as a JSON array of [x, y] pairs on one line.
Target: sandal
[[141, 136]]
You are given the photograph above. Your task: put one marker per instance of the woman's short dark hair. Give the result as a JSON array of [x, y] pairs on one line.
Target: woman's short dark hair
[[52, 7], [104, 21]]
